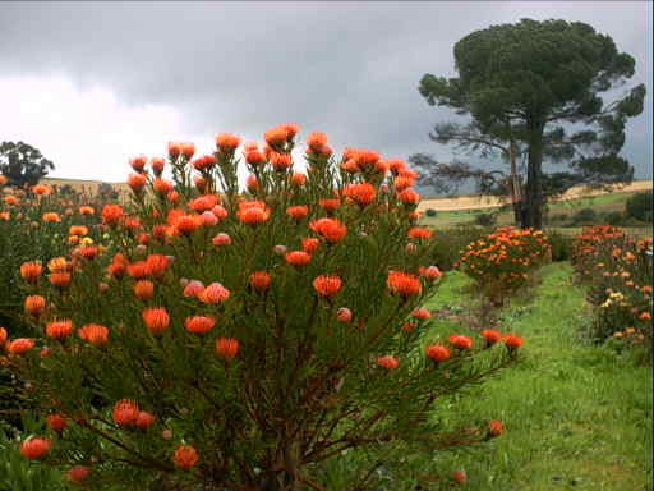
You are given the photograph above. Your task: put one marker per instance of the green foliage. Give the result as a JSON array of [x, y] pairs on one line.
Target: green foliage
[[523, 84], [561, 245], [450, 243], [486, 219], [585, 215], [641, 206], [431, 212], [23, 164]]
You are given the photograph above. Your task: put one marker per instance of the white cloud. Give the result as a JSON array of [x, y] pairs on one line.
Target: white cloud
[[88, 134]]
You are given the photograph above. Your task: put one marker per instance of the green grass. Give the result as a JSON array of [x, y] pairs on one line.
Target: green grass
[[577, 417]]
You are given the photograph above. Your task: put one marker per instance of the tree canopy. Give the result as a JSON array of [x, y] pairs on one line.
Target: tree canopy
[[540, 86], [23, 164]]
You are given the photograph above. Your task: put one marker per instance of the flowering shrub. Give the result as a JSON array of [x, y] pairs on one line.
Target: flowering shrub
[[503, 262], [242, 341], [618, 271]]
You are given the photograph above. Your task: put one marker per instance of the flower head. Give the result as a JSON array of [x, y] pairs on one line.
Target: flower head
[[35, 448], [327, 285], [227, 348], [186, 457]]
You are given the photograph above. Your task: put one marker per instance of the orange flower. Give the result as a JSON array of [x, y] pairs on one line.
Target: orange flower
[[420, 233], [20, 346], [438, 352], [204, 203], [174, 149], [461, 342], [344, 315], [432, 272], [513, 342], [227, 142], [495, 427], [35, 305], [158, 264], [31, 271], [138, 163], [299, 179], [188, 149], [157, 164], [137, 182], [275, 136], [126, 412], [112, 214], [221, 239], [491, 336], [227, 348], [162, 186], [188, 223], [57, 422], [79, 473], [409, 197], [645, 316], [41, 189], [144, 289], [388, 361], [94, 333], [327, 285], [86, 210], [260, 281], [329, 204], [316, 142], [186, 457], [78, 230], [59, 329], [51, 217], [139, 270], [281, 161], [214, 293], [421, 314], [363, 193], [309, 244], [156, 319], [3, 180], [144, 420], [298, 258], [297, 212], [402, 183], [11, 200], [35, 448], [3, 335], [403, 283], [200, 323], [219, 212], [330, 228], [253, 212]]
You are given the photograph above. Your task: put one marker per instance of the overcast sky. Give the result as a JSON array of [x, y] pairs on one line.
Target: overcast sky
[[92, 83]]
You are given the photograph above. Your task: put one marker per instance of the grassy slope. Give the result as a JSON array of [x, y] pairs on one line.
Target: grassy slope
[[577, 417]]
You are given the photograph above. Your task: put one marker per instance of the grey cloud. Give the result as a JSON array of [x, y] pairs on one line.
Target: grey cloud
[[350, 69]]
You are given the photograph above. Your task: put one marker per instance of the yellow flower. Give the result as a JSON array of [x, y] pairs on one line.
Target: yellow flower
[[87, 241], [106, 236]]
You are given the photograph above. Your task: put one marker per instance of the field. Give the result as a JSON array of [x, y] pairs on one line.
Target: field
[[577, 416]]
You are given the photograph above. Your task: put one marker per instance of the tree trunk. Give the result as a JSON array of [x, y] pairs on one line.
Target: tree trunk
[[533, 215], [515, 185]]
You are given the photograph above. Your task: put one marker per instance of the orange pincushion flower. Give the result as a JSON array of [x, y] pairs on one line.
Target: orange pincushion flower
[[214, 293], [438, 352], [158, 264], [137, 182], [363, 193], [299, 179], [59, 329], [144, 289], [513, 342], [227, 142], [420, 233], [51, 217], [186, 457], [645, 316], [144, 420], [204, 203], [86, 210], [331, 229], [138, 163], [316, 141], [402, 183], [403, 283], [35, 305], [291, 129], [41, 189], [157, 164], [281, 161], [11, 200], [78, 230], [35, 448], [94, 333], [275, 136], [89, 252], [163, 186], [221, 239], [174, 149], [388, 361], [20, 346], [421, 314], [112, 214], [260, 281], [31, 271], [227, 348], [330, 204], [491, 336], [126, 412], [57, 422], [188, 223], [495, 427], [200, 323], [461, 342], [297, 212], [327, 285], [253, 212], [188, 149], [298, 258], [3, 335], [409, 197], [139, 270], [79, 473], [156, 319], [3, 180], [309, 244]]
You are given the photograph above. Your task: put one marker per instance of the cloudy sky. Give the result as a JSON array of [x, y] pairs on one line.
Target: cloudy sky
[[92, 83]]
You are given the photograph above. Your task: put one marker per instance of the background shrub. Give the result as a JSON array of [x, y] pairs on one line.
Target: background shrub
[[486, 219], [561, 245], [431, 212], [450, 243], [640, 206]]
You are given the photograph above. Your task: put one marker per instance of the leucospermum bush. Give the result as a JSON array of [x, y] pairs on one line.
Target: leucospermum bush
[[503, 262], [244, 340], [618, 270]]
